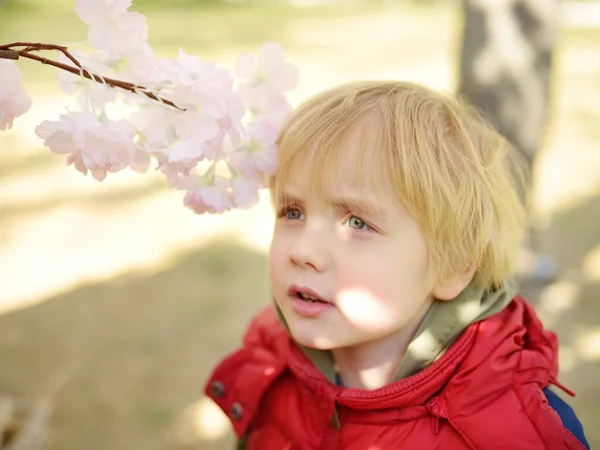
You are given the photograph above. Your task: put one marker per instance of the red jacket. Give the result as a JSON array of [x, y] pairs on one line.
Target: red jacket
[[485, 392]]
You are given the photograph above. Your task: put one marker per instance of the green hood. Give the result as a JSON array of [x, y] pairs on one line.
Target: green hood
[[442, 324]]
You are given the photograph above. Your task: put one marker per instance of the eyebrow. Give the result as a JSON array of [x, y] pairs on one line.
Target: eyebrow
[[358, 206], [343, 204]]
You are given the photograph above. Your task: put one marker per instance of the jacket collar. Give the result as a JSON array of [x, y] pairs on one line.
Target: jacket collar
[[444, 322]]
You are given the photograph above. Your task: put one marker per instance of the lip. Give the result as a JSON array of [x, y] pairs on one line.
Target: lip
[[306, 309], [294, 289]]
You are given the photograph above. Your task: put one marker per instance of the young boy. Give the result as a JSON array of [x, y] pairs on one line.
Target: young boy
[[395, 323]]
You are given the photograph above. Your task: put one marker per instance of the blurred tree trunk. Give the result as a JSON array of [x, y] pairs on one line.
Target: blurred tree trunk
[[506, 64], [505, 70]]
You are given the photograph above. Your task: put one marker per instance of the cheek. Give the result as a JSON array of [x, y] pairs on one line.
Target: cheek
[[397, 282], [276, 260], [365, 309]]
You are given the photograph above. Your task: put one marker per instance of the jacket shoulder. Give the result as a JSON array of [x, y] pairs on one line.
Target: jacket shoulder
[[238, 383], [502, 382]]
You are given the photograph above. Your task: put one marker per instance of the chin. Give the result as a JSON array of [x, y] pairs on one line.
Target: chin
[[315, 343], [311, 338]]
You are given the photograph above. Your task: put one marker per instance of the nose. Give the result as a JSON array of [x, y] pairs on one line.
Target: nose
[[311, 249]]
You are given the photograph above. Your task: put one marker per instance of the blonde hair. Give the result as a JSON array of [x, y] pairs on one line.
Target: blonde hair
[[451, 172]]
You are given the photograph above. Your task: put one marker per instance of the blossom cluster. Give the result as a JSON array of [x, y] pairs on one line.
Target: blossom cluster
[[212, 132]]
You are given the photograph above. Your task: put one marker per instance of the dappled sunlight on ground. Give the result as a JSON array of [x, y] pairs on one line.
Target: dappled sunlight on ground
[[588, 344], [201, 421], [555, 299], [127, 358], [71, 244], [591, 264]]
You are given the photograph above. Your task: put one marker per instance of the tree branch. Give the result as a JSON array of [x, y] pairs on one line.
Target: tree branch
[[7, 52]]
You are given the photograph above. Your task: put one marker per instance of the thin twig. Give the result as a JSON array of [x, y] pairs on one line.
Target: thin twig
[[37, 46], [6, 52]]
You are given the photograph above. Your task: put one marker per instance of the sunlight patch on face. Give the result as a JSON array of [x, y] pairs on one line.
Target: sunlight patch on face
[[361, 307], [201, 421]]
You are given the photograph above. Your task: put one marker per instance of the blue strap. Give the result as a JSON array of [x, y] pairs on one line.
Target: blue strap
[[338, 380], [567, 415]]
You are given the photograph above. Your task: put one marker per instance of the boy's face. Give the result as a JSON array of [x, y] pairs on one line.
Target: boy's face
[[356, 250]]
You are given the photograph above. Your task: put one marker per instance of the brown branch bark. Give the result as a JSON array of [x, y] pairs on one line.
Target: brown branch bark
[[7, 52], [37, 46]]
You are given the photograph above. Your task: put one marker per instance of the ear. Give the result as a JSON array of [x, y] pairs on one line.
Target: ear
[[450, 288]]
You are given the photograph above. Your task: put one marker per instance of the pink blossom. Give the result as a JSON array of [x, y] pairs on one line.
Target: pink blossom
[[209, 197], [139, 65], [141, 161], [112, 27], [154, 127], [245, 192], [180, 159], [266, 77], [88, 144], [232, 122], [268, 68], [91, 11], [200, 87], [14, 100], [263, 101], [195, 126], [175, 138], [257, 156], [135, 63], [214, 124], [212, 109], [90, 94]]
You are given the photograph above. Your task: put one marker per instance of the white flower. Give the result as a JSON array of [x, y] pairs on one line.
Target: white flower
[[14, 100]]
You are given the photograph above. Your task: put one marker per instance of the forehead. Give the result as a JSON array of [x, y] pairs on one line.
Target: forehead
[[356, 158]]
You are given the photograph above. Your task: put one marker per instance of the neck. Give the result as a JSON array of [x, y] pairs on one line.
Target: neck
[[372, 365]]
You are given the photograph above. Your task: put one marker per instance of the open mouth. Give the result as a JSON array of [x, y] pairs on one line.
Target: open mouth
[[308, 298], [307, 303], [306, 294]]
